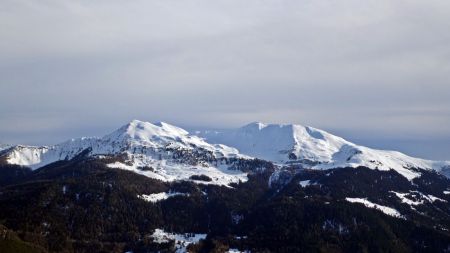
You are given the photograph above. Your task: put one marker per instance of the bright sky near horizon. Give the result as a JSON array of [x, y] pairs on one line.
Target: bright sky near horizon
[[376, 72]]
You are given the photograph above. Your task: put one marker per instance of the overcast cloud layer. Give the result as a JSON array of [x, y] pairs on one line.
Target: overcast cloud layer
[[367, 70]]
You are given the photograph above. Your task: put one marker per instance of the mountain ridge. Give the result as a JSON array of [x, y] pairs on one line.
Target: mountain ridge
[[160, 151], [162, 145], [314, 148]]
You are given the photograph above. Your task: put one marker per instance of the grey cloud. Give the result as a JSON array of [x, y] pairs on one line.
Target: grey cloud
[[377, 67]]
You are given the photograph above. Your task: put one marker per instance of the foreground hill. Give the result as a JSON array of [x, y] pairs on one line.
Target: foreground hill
[[84, 206]]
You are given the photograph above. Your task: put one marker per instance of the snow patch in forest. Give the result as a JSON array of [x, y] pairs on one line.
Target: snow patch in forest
[[231, 250], [387, 210], [156, 197], [414, 198], [306, 183], [182, 241]]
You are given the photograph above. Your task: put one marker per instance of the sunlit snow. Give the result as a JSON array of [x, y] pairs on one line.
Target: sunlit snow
[[387, 210], [146, 145], [156, 197], [315, 149], [181, 240], [414, 198]]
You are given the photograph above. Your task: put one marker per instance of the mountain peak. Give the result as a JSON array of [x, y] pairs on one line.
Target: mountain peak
[[255, 126], [171, 153], [308, 147], [261, 125], [141, 131], [291, 128]]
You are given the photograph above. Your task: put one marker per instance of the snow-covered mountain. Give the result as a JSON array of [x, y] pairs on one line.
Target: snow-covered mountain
[[160, 151], [341, 208], [309, 147], [168, 153]]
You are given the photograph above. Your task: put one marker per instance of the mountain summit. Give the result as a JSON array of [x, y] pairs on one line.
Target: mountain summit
[[160, 151], [313, 148]]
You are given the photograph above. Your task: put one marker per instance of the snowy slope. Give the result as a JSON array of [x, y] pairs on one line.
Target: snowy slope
[[167, 152], [387, 210], [313, 148]]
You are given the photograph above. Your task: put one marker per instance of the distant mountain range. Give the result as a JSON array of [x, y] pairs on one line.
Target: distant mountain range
[[172, 152]]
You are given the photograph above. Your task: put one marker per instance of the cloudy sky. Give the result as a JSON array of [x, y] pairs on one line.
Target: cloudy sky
[[376, 72]]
